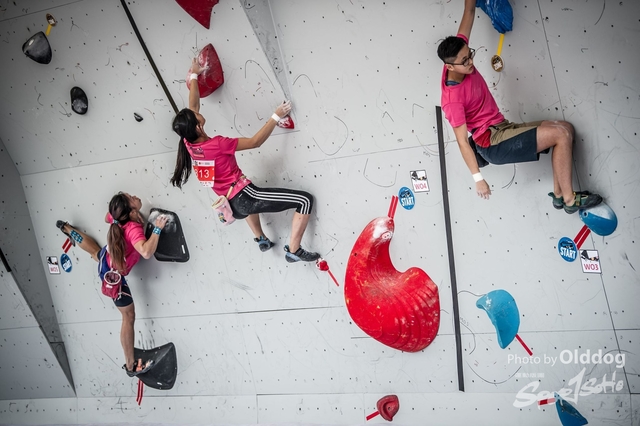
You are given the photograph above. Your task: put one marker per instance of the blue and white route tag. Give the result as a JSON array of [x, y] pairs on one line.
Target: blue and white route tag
[[65, 262], [406, 198], [567, 249]]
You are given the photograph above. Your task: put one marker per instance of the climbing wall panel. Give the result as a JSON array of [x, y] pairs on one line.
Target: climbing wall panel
[[94, 48], [238, 355], [260, 340]]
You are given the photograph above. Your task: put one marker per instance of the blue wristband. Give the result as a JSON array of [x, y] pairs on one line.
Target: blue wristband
[[157, 230]]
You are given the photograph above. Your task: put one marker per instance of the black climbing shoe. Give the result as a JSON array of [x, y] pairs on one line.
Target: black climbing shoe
[[583, 200], [60, 225], [300, 254], [264, 243], [557, 202]]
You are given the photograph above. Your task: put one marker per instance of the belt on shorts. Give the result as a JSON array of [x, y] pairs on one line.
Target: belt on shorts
[[234, 184]]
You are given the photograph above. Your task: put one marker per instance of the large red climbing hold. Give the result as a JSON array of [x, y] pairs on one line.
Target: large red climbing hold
[[211, 78], [400, 310], [200, 10]]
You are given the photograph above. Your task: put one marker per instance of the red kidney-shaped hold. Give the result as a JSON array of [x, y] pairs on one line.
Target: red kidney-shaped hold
[[398, 309], [211, 78]]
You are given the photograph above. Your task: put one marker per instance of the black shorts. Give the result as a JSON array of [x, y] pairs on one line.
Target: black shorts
[[512, 143], [124, 299], [252, 200]]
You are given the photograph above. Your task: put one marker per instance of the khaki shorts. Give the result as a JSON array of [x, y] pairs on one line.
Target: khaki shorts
[[507, 130], [512, 143]]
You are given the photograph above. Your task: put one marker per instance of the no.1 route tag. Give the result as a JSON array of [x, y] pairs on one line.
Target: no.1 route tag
[[590, 260], [52, 263], [204, 171], [419, 180]]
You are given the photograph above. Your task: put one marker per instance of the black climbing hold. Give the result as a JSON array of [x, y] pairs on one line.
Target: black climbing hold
[[137, 116], [79, 101], [172, 246], [38, 48], [163, 372]]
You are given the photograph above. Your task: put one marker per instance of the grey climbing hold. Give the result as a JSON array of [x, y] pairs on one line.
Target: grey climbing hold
[[79, 101], [38, 48]]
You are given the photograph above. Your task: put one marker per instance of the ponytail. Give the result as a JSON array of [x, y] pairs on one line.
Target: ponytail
[[184, 124], [119, 209], [183, 166]]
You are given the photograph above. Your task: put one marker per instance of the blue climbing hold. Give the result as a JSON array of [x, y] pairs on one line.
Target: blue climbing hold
[[569, 416], [500, 12], [503, 313], [600, 219]]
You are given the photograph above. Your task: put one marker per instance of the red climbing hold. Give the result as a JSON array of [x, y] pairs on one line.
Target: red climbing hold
[[286, 122], [400, 310], [211, 78], [200, 10], [387, 406]]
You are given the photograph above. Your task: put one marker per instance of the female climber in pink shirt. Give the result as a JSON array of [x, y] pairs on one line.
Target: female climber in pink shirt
[[126, 243], [247, 201]]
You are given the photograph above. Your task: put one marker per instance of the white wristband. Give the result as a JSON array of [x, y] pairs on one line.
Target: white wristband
[[193, 76], [477, 177], [275, 117]]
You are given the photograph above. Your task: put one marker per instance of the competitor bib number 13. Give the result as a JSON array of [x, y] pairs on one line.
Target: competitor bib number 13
[[204, 172]]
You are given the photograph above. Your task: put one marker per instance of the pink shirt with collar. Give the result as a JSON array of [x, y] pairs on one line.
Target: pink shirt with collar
[[470, 103]]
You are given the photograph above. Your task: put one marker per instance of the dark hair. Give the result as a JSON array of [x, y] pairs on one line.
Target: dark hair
[[449, 48], [184, 124], [119, 209]]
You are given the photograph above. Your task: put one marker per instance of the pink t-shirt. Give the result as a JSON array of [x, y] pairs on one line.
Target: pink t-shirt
[[222, 150], [470, 102], [133, 232]]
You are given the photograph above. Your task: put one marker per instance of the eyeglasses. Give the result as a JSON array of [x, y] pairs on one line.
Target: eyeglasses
[[465, 62]]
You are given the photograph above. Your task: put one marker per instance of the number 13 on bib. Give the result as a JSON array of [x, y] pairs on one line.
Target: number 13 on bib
[[204, 171]]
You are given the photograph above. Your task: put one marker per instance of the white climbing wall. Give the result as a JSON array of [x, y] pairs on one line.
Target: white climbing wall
[[261, 341]]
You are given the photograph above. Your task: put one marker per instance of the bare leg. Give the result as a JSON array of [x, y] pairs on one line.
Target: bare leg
[[87, 244], [253, 220], [559, 135], [127, 333], [298, 227]]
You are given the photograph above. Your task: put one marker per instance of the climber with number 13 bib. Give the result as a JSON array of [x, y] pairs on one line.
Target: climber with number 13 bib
[[245, 199]]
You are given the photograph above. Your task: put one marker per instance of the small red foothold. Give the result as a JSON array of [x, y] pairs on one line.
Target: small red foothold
[[387, 407], [322, 264]]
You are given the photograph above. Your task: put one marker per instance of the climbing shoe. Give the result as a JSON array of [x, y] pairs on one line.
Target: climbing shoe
[[264, 243], [557, 202], [583, 200], [300, 254], [60, 225]]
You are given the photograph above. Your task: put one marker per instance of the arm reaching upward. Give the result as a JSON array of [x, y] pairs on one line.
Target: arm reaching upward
[[194, 90], [261, 136], [469, 14]]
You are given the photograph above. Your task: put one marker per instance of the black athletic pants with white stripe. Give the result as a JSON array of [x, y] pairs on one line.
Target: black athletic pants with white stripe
[[252, 200]]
